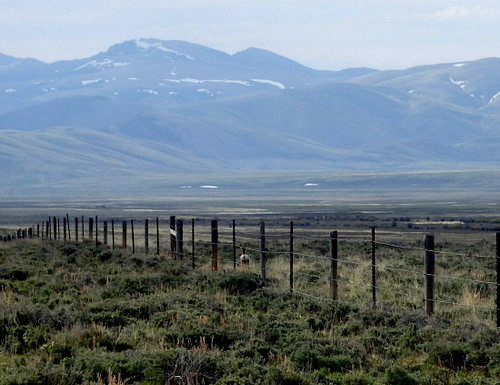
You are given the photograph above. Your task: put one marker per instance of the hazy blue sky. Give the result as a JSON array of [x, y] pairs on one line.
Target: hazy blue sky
[[324, 34]]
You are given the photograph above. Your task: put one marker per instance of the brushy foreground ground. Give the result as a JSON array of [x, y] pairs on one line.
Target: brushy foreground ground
[[74, 314]]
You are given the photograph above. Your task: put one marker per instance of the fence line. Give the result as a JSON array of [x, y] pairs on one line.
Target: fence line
[[256, 243]]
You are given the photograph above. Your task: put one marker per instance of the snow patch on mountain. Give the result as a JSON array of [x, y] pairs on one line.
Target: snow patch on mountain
[[460, 83], [147, 91], [201, 81], [271, 82], [159, 46], [494, 97], [95, 64], [10, 91], [204, 91], [459, 64], [88, 82]]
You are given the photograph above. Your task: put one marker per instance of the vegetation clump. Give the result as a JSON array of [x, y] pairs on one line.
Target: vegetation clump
[[73, 314]]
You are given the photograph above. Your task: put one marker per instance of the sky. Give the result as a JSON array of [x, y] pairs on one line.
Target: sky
[[322, 34]]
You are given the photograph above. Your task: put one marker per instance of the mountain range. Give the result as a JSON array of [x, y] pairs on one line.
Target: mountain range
[[149, 109]]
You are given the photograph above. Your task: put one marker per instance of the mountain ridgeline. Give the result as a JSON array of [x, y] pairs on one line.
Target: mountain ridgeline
[[148, 107]]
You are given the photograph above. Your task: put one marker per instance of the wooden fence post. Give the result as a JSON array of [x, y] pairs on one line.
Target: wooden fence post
[[38, 230], [124, 235], [215, 245], [263, 254], [173, 246], [68, 223], [157, 236], [76, 229], [58, 229], [112, 234], [498, 279], [83, 228], [334, 247], [54, 223], [374, 266], [234, 244], [105, 234], [96, 232], [91, 228], [291, 256], [192, 244], [146, 236], [179, 235], [133, 237], [429, 266], [64, 229]]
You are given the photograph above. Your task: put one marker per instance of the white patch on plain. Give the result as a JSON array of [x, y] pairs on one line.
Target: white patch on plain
[[271, 82], [411, 91], [10, 91], [185, 186], [145, 45], [172, 93], [203, 91], [209, 187], [88, 82], [494, 97], [311, 184], [121, 64]]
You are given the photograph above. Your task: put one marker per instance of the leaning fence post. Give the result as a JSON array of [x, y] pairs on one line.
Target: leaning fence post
[[68, 223], [146, 236], [215, 245], [498, 279], [263, 252], [334, 246], [429, 266], [374, 267], [179, 236]]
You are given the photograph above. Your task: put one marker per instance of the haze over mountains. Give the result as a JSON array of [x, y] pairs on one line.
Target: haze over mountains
[[150, 109]]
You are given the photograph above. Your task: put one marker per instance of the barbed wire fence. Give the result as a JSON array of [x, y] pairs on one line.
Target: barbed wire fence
[[327, 267]]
